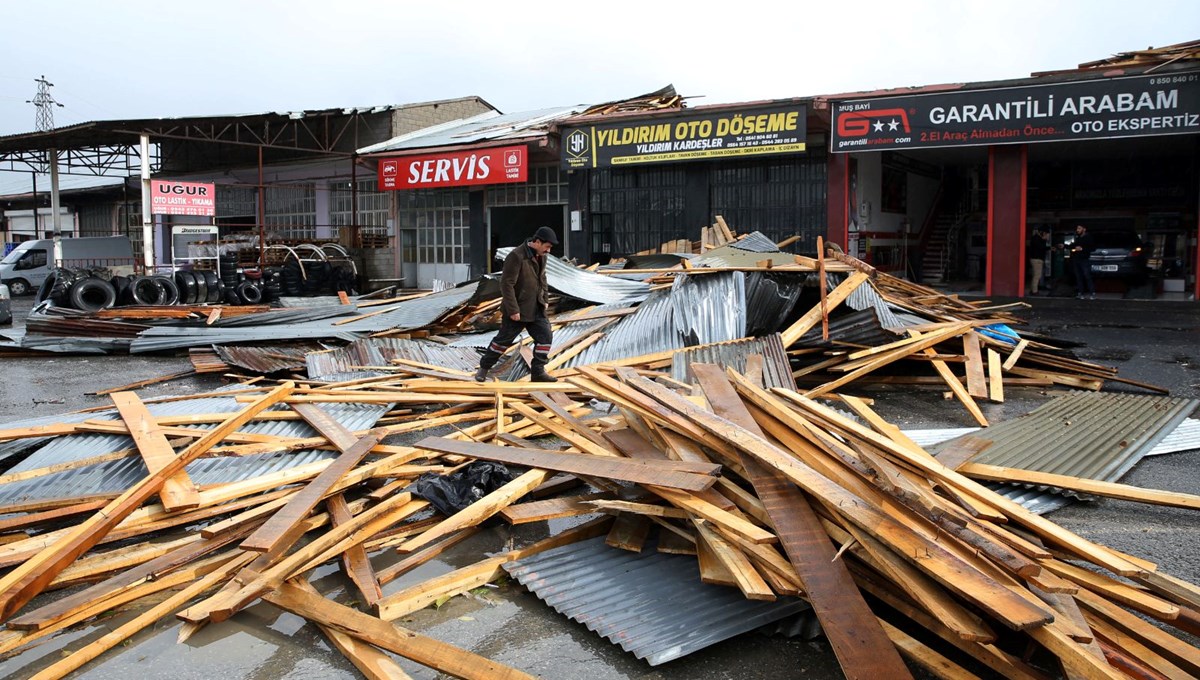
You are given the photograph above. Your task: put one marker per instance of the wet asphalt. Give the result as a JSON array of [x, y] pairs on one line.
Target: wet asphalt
[[1155, 342]]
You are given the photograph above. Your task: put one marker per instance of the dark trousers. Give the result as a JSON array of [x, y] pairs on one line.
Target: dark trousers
[[538, 329], [1083, 276]]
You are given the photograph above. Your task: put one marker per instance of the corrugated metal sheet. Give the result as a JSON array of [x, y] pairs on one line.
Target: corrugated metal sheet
[[866, 297], [415, 313], [1091, 435], [651, 604], [268, 359], [116, 476], [485, 126], [860, 328], [756, 242], [381, 351], [584, 285], [776, 370], [769, 300], [1186, 437]]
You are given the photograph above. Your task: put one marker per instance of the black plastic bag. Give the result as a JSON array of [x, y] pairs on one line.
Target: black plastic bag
[[451, 493]]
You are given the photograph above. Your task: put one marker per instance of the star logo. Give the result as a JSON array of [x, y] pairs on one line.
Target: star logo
[[878, 125], [893, 124]]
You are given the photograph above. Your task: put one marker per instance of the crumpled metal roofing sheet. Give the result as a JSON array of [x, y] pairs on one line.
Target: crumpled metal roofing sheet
[[651, 604], [776, 370], [695, 310], [769, 300], [866, 297], [584, 285], [116, 476], [756, 242], [414, 313], [860, 328]]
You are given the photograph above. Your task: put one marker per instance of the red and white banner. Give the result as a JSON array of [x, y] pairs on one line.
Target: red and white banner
[[183, 198], [456, 169]]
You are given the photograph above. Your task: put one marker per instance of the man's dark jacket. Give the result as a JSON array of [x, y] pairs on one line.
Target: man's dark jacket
[[523, 284]]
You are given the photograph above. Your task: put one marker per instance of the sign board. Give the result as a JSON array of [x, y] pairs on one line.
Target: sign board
[[503, 165], [183, 198], [727, 133], [1137, 106]]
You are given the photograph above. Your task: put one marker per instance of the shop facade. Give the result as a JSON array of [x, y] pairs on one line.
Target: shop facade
[[955, 181]]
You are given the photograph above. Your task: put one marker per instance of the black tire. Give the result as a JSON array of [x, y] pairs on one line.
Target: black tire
[[201, 288], [186, 283], [145, 291], [170, 290], [19, 287], [212, 286], [249, 293], [56, 288], [231, 296], [120, 284], [92, 294]]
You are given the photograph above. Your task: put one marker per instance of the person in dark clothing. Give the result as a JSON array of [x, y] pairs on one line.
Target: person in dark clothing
[[523, 306], [1039, 245], [1081, 263]]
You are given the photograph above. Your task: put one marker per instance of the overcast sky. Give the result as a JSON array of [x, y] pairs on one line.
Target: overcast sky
[[127, 59]]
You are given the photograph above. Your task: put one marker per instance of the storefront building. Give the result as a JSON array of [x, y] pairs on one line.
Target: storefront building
[[952, 181], [642, 179]]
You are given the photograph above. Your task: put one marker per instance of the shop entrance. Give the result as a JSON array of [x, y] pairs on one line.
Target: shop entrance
[[511, 225]]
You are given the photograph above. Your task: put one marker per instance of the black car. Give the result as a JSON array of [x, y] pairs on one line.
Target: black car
[[1118, 254]]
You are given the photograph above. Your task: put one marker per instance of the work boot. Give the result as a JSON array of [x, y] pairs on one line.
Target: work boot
[[540, 375], [481, 374]]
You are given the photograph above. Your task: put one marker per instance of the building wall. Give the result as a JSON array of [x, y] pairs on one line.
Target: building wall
[[413, 118]]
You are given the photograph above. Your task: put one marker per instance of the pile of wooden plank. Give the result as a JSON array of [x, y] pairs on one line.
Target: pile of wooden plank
[[776, 494]]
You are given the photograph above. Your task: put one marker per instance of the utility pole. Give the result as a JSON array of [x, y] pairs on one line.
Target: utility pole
[[44, 102]]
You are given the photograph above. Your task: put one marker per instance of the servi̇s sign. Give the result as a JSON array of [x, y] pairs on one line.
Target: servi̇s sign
[[455, 169]]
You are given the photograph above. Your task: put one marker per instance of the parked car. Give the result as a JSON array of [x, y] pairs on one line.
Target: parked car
[[1118, 254]]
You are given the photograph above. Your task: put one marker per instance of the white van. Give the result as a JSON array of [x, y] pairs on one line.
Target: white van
[[27, 266]]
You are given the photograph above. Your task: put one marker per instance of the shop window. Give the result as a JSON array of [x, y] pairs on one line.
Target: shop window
[[636, 209], [291, 212], [440, 218], [547, 185]]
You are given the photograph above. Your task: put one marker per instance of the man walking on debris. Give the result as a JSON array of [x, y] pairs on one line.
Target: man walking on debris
[[523, 292], [1081, 263]]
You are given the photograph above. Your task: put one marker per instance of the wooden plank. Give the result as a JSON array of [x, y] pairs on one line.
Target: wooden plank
[[813, 316], [426, 651], [178, 491], [1015, 355], [480, 510], [279, 532], [821, 285], [410, 562], [976, 381], [368, 659], [995, 376], [862, 647], [957, 388], [34, 518], [924, 656], [629, 532], [26, 581], [1107, 489], [554, 508], [926, 342], [79, 657], [354, 560], [959, 451], [658, 473], [146, 382], [960, 577]]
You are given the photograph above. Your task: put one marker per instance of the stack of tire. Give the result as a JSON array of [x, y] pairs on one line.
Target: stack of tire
[[87, 291], [317, 278]]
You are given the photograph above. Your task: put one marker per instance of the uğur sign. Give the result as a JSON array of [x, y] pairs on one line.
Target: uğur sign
[[183, 198], [456, 169]]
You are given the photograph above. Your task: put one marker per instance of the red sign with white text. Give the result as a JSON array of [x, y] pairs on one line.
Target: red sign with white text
[[457, 169], [183, 198]]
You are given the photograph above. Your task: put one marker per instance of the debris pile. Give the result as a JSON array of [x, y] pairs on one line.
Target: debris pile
[[220, 500]]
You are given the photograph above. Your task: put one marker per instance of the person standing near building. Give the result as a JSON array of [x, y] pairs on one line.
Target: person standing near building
[[1081, 263], [1039, 245], [523, 305]]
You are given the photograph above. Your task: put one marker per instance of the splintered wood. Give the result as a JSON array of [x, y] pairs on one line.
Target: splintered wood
[[775, 494]]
